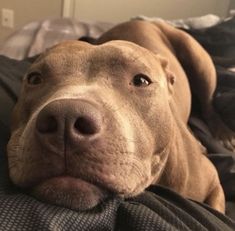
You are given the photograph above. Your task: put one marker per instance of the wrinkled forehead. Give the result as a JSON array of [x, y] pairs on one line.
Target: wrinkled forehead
[[80, 56]]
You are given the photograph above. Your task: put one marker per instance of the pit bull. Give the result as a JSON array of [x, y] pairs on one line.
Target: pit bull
[[111, 119]]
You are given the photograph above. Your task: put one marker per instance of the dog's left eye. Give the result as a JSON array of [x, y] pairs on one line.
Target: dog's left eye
[[141, 80], [34, 78]]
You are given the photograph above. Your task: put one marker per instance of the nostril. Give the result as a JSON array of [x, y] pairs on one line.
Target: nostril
[[47, 124], [86, 126]]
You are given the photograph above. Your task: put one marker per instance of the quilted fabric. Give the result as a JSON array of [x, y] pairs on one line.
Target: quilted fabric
[[157, 209]]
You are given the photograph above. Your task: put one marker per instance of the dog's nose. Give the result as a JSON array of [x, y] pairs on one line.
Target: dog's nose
[[68, 119]]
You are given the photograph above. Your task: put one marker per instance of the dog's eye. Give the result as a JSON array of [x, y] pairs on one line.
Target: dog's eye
[[141, 80], [34, 78]]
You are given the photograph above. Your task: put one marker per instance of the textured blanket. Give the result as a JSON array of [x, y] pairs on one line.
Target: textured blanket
[[156, 209]]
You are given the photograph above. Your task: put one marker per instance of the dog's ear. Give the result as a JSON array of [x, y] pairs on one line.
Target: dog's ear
[[194, 59], [170, 77]]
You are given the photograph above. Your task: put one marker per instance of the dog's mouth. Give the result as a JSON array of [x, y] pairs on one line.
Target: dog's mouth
[[70, 192]]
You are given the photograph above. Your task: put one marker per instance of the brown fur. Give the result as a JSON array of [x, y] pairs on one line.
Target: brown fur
[[137, 135]]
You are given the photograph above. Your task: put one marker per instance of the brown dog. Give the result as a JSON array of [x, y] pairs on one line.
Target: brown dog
[[111, 119]]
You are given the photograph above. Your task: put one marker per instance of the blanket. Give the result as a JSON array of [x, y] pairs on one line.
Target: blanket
[[35, 37]]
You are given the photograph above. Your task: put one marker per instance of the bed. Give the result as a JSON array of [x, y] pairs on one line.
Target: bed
[[157, 206]]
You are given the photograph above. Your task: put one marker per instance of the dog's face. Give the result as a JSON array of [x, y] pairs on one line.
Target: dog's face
[[91, 121]]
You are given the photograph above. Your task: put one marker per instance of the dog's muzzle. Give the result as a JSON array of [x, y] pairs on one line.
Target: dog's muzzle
[[68, 123]]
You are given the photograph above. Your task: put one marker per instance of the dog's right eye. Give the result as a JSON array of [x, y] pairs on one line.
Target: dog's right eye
[[34, 78], [141, 80]]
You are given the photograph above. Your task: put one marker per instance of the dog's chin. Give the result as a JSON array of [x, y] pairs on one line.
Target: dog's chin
[[69, 192]]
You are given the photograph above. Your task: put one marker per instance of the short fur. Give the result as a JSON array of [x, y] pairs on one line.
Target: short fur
[[136, 135]]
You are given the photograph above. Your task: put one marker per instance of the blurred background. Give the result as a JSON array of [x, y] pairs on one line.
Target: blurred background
[[15, 13]]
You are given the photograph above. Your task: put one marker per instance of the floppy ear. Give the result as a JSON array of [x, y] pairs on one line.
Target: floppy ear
[[201, 73], [195, 61], [170, 77]]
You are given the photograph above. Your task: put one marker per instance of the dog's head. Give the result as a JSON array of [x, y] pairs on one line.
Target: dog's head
[[91, 121]]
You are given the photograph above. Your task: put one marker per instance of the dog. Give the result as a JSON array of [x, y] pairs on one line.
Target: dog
[[111, 119]]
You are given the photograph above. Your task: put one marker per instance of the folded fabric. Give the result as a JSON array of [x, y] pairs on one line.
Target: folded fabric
[[156, 209]]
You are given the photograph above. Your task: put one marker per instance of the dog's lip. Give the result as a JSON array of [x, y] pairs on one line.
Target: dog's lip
[[70, 192], [66, 179], [71, 181]]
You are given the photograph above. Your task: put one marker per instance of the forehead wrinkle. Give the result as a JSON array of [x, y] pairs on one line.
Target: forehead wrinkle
[[137, 54], [60, 63], [115, 60], [108, 59]]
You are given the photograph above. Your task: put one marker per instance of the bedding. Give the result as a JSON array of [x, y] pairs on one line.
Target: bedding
[[157, 208], [36, 36], [202, 22]]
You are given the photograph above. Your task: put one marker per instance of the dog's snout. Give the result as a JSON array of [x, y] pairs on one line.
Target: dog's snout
[[68, 120], [48, 124]]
